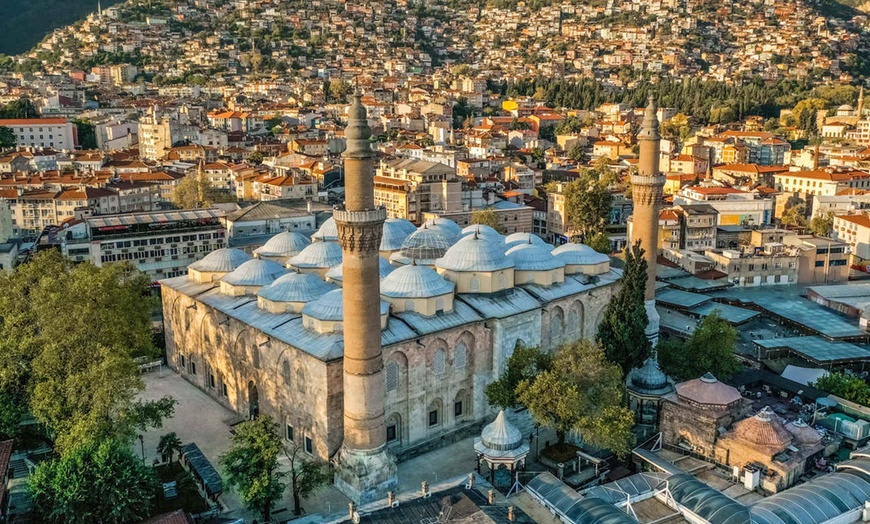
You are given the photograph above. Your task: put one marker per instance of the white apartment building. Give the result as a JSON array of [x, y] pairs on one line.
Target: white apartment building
[[855, 231], [43, 133], [822, 182], [735, 207]]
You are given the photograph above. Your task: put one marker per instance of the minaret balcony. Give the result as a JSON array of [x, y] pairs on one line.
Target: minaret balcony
[[648, 180], [367, 216]]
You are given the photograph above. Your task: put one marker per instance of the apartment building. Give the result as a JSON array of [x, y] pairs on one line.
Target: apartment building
[[734, 206], [855, 231], [822, 182], [777, 266], [698, 227], [34, 210], [43, 133], [409, 188]]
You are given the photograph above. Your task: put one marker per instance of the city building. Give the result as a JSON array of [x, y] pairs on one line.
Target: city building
[[43, 133]]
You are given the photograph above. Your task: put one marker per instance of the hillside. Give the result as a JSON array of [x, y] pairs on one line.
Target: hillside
[[23, 23]]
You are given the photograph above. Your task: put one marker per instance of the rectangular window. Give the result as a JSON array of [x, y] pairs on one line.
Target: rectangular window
[[192, 367], [182, 361], [433, 418], [391, 433], [224, 391], [820, 263], [289, 432], [211, 381], [309, 446], [457, 408]]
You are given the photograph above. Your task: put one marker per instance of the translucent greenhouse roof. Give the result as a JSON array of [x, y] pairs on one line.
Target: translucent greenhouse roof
[[571, 506], [817, 349], [820, 500], [708, 503], [632, 486]]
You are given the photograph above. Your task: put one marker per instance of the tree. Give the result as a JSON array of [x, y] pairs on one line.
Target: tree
[[709, 348], [601, 243], [622, 332], [306, 477], [822, 225], [7, 138], [22, 108], [587, 205], [487, 217], [805, 113], [256, 158], [849, 387], [676, 128], [75, 371], [86, 132], [577, 153], [195, 191], [251, 465], [168, 445], [97, 483], [582, 392], [794, 216], [524, 364]]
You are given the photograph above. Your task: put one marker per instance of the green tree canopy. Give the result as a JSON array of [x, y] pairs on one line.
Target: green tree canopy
[[7, 138], [851, 388], [822, 225], [195, 191], [587, 204], [709, 348], [581, 392], [251, 465], [169, 445], [487, 217], [306, 477], [524, 363], [601, 243], [97, 483], [622, 332]]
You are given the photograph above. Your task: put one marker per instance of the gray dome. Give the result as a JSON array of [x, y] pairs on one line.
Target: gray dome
[[523, 238], [330, 307], [501, 435], [255, 272], [533, 257], [318, 255], [448, 228], [284, 244], [221, 261], [396, 230], [328, 231], [649, 379], [475, 253], [295, 287], [384, 269], [425, 244], [415, 282], [482, 230], [579, 254]]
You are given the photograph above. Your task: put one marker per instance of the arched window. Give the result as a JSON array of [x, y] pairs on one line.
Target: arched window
[[434, 414], [255, 356], [460, 356], [438, 362], [474, 284], [394, 428], [556, 327], [300, 380], [391, 376], [286, 373]]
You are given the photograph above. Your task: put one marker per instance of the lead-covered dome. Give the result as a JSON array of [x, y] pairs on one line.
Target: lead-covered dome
[[396, 231], [221, 261], [475, 253], [448, 228], [579, 258], [501, 435], [326, 313], [283, 245], [515, 239], [335, 272], [328, 232], [533, 257], [295, 287], [649, 379], [415, 282], [481, 230], [423, 246], [255, 273], [319, 257]]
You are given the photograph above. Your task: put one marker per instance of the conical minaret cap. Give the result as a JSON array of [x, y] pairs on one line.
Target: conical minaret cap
[[357, 120], [650, 128]]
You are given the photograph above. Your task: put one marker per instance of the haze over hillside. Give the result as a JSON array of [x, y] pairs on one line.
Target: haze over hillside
[[23, 23]]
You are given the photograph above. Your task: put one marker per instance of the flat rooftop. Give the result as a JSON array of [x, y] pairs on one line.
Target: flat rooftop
[[817, 349]]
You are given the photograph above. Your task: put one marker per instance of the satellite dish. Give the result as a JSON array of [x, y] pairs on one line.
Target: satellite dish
[[355, 517]]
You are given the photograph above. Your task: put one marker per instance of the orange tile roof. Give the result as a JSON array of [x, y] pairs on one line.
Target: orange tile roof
[[861, 220], [31, 121]]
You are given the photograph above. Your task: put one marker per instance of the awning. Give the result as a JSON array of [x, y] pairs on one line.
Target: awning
[[202, 469]]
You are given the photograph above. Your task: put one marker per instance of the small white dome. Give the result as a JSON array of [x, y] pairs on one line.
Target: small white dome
[[295, 287], [284, 244], [330, 307], [255, 272], [533, 257], [221, 261], [475, 253], [448, 228], [482, 230], [396, 231], [384, 269], [424, 244], [318, 255], [515, 239], [328, 231], [415, 282], [579, 254]]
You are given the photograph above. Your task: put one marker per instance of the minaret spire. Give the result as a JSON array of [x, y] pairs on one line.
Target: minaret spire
[[861, 103]]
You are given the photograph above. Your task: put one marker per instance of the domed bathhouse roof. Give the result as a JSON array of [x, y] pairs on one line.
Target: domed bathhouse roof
[[803, 433], [448, 228], [424, 246], [319, 255], [255, 273], [286, 244], [475, 253], [765, 429], [221, 261], [583, 258], [415, 282], [708, 391], [649, 380], [295, 287], [384, 268], [500, 442], [482, 230], [515, 239], [328, 232], [533, 257], [396, 231]]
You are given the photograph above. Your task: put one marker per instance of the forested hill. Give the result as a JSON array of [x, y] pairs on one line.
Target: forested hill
[[23, 23]]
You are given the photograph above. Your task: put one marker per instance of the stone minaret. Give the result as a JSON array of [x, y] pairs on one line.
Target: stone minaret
[[646, 191], [366, 471], [860, 110]]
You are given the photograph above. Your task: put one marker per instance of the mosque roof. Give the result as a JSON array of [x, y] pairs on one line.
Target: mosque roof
[[328, 231], [295, 287], [481, 230], [424, 244], [415, 282], [448, 228], [384, 269], [396, 230], [330, 307], [649, 379], [533, 257], [317, 255], [579, 254], [221, 261], [285, 244], [523, 238], [475, 253], [254, 272]]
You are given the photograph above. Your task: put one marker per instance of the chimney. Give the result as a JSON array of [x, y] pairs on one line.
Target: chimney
[[490, 497], [308, 205], [510, 513], [350, 508]]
